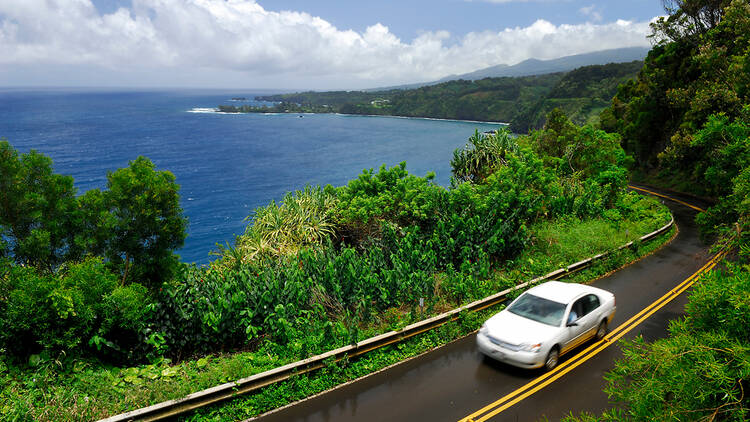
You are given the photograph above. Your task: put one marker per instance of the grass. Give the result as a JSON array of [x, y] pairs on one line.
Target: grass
[[55, 388]]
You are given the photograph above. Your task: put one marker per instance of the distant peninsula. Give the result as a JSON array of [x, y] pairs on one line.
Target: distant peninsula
[[522, 101]]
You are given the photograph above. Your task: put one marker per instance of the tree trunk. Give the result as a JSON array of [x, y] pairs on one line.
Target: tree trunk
[[127, 267]]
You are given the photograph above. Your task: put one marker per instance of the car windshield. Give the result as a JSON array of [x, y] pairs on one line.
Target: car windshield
[[538, 309]]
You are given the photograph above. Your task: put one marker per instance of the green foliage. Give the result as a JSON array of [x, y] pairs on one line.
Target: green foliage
[[391, 195], [147, 222], [591, 165], [303, 218], [683, 83], [585, 150], [481, 155], [69, 310], [135, 224], [522, 101], [582, 93], [282, 107], [37, 210], [687, 20], [720, 303]]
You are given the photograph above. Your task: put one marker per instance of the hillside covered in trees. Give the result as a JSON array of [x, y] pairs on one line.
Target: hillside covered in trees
[[521, 101], [686, 122]]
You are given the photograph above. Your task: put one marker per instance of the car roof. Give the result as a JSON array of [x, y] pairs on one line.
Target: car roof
[[561, 292]]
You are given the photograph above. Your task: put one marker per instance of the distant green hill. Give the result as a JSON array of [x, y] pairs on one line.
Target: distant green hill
[[521, 101], [582, 93]]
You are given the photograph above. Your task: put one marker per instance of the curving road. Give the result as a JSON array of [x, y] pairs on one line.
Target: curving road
[[455, 381]]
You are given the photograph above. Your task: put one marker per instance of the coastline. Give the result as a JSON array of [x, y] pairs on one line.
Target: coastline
[[213, 110]]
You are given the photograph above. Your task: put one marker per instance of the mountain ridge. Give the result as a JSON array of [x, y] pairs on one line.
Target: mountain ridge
[[532, 67]]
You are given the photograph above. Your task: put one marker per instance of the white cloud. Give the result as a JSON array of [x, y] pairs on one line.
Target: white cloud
[[591, 12], [241, 37]]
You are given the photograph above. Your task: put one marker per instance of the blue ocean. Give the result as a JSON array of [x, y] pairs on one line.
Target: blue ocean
[[226, 164]]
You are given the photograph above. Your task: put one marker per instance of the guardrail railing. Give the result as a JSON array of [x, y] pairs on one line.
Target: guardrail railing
[[242, 386]]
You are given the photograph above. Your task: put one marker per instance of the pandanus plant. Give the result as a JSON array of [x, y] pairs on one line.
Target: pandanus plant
[[482, 154], [303, 218]]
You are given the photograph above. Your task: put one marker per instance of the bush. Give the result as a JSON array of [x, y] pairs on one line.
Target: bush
[[720, 302], [77, 309], [391, 195], [303, 218]]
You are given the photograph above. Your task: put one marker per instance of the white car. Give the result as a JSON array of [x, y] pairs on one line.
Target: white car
[[546, 321]]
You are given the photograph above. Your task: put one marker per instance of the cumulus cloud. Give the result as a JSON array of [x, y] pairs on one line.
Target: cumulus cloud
[[241, 36]]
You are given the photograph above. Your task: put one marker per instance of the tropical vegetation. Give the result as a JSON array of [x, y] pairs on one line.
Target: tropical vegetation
[[90, 281], [110, 320], [523, 102], [686, 122]]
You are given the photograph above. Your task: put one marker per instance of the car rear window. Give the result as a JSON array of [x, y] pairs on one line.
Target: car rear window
[[538, 309]]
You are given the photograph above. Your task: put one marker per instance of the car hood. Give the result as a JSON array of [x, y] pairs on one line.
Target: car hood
[[511, 328]]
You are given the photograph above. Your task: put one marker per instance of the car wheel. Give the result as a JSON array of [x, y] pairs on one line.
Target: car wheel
[[552, 358], [602, 330]]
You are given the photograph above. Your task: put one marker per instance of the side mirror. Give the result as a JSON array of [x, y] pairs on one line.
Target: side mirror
[[571, 324]]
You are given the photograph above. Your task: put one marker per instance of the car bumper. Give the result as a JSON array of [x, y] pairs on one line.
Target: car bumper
[[520, 359]]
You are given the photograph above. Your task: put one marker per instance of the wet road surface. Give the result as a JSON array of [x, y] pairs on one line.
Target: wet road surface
[[456, 380]]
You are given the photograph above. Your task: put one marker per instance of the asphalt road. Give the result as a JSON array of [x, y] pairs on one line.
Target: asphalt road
[[456, 380]]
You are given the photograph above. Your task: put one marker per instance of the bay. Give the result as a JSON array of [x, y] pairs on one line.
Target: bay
[[226, 164]]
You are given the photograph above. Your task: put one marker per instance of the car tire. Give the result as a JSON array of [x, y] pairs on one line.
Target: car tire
[[601, 331], [552, 358]]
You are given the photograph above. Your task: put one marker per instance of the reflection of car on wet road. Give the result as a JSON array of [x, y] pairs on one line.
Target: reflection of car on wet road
[[545, 322]]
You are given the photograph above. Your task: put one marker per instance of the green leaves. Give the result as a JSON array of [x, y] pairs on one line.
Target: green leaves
[[303, 218], [147, 222], [482, 155], [37, 209], [135, 224], [75, 310], [386, 195]]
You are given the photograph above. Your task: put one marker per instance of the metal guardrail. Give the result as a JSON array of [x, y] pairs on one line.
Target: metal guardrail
[[242, 386]]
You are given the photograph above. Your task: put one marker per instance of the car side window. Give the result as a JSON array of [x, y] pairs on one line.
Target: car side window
[[589, 303], [576, 311]]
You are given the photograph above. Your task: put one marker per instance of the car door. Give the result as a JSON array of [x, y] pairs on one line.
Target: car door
[[584, 313], [574, 331], [592, 314]]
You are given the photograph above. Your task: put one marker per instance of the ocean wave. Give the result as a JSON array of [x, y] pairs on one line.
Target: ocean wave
[[204, 110]]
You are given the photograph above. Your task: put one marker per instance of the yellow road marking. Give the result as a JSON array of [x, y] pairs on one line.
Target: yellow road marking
[[548, 378], [667, 197]]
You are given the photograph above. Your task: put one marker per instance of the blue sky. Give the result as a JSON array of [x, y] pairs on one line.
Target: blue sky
[[408, 18], [319, 44]]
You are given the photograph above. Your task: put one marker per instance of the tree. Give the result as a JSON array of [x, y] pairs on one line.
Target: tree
[[147, 222], [688, 19], [38, 210]]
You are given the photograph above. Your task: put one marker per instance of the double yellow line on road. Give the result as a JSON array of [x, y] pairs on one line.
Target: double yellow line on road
[[539, 383], [667, 197]]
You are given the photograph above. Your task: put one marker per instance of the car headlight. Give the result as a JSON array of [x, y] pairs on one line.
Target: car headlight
[[484, 329], [534, 348]]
